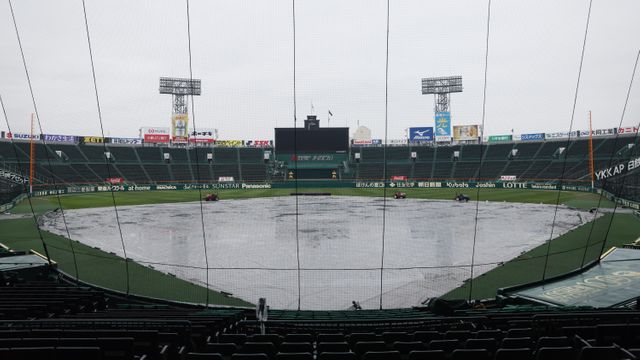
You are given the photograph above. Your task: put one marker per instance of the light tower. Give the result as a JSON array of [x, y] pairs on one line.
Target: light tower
[[441, 87], [180, 89]]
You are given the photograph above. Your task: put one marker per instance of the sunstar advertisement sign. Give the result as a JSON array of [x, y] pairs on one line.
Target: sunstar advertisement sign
[[420, 134], [443, 126]]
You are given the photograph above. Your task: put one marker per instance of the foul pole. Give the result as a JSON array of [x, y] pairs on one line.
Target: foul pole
[[591, 167], [32, 157]]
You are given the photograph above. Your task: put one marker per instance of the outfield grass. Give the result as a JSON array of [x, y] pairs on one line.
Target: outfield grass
[[108, 270]]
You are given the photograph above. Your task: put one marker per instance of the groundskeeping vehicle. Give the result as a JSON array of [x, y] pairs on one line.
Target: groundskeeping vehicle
[[211, 197], [400, 195], [462, 198]]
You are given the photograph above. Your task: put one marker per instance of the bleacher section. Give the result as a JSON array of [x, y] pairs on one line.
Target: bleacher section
[[138, 164]]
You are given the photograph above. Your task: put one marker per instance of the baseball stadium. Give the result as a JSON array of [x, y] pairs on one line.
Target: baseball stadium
[[307, 235]]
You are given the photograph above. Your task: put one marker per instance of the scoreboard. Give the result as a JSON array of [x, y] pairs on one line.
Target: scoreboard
[[320, 140]]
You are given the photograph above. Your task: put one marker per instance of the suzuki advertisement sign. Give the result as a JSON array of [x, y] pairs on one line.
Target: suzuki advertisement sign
[[443, 126], [532, 137], [151, 135], [420, 134]]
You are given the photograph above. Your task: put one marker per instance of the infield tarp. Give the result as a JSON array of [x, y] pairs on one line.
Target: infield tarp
[[614, 280]]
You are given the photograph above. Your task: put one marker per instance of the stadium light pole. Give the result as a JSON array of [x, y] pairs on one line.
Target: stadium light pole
[[441, 87], [180, 88]]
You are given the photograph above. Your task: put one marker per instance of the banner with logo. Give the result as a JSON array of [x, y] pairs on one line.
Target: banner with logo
[[21, 136], [396, 142], [92, 139], [499, 138], [127, 141], [203, 135], [152, 135], [532, 137], [628, 130], [229, 143], [465, 133], [443, 126], [59, 138], [361, 142], [258, 143], [421, 134], [115, 180], [179, 127]]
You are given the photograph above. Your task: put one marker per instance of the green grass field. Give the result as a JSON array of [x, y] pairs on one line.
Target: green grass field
[[108, 270]]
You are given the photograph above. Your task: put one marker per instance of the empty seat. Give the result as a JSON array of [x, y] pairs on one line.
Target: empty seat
[[291, 347], [237, 339], [333, 347], [513, 354], [519, 332], [556, 353], [203, 356], [249, 357], [298, 338], [359, 337], [381, 355], [259, 348], [78, 352], [490, 334], [460, 335], [363, 347], [294, 356], [427, 355], [445, 345], [599, 353], [331, 337], [391, 337], [516, 343], [487, 344], [553, 341], [405, 347], [470, 354], [272, 338], [221, 348], [337, 356], [426, 336]]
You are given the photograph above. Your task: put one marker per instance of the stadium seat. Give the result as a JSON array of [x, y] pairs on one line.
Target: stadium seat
[[490, 334], [599, 353], [291, 347], [391, 337], [513, 354], [78, 353], [359, 337], [445, 345], [556, 353], [516, 343], [460, 335], [470, 354], [337, 356], [203, 356], [487, 344], [519, 333], [249, 357], [427, 355], [552, 341], [272, 338], [221, 348], [333, 347], [381, 355], [328, 338], [267, 348], [298, 338], [426, 336], [405, 347], [294, 356], [363, 347], [237, 339]]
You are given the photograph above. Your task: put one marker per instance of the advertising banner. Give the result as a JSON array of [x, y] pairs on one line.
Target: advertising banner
[[508, 178], [203, 135], [628, 130], [229, 143], [421, 134], [127, 141], [92, 139], [396, 142], [362, 142], [376, 142], [153, 135], [258, 143], [597, 132], [465, 132], [560, 135], [59, 138], [20, 136], [498, 138], [179, 127], [115, 180], [398, 178], [225, 178], [532, 137], [443, 126]]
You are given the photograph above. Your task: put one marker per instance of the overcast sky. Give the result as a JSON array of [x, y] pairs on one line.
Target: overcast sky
[[242, 51]]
